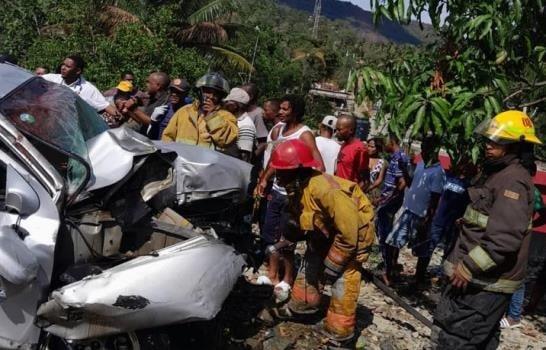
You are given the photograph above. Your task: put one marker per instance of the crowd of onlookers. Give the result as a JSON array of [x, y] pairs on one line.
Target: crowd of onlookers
[[416, 202]]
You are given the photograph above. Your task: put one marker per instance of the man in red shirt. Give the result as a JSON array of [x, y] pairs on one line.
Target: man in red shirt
[[352, 160]]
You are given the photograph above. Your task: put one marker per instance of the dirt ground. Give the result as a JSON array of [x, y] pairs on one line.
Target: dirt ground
[[383, 324]]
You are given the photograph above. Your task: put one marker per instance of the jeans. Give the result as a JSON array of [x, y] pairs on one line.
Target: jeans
[[516, 303]]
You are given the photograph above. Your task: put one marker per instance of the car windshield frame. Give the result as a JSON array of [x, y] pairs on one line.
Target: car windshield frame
[[55, 116]]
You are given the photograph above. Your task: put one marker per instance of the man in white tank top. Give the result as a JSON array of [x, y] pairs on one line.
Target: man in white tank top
[[291, 127]]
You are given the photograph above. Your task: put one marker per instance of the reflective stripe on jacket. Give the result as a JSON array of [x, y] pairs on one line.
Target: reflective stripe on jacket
[[217, 131], [474, 217], [338, 209]]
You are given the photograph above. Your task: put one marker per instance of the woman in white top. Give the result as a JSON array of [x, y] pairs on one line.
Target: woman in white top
[[291, 127]]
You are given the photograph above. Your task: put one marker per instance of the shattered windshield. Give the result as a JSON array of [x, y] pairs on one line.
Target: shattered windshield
[[55, 115]]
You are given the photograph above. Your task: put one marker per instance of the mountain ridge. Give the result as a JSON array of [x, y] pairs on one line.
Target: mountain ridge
[[362, 21]]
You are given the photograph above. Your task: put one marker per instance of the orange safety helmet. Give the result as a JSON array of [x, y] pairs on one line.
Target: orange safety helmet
[[293, 154]]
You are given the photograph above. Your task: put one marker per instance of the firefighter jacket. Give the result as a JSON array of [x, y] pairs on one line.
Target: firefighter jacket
[[493, 242], [338, 209], [218, 130]]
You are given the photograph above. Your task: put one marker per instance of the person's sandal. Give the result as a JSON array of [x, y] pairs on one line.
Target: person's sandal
[[282, 313]]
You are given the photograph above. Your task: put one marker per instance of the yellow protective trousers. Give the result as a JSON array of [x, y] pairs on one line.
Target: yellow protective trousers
[[341, 315]]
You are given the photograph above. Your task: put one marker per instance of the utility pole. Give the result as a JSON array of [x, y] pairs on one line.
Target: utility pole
[[316, 17], [254, 54]]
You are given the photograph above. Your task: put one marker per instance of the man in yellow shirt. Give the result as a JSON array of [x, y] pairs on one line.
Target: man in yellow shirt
[[337, 220], [205, 123]]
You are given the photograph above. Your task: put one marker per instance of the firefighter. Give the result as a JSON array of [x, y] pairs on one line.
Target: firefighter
[[487, 263], [337, 221], [205, 122]]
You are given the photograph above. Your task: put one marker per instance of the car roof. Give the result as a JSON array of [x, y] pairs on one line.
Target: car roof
[[12, 76]]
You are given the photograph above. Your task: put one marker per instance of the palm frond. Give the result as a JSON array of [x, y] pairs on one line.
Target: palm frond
[[112, 17], [213, 10], [203, 32], [228, 55]]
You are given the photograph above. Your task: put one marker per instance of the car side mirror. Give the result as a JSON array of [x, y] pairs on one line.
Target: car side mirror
[[21, 198]]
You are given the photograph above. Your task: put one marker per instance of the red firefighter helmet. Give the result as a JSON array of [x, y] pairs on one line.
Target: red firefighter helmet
[[293, 154]]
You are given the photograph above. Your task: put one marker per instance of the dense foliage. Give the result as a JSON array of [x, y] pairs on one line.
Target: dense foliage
[[490, 56], [114, 36], [183, 38]]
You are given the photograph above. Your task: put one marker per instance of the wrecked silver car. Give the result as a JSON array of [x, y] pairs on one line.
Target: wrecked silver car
[[103, 232]]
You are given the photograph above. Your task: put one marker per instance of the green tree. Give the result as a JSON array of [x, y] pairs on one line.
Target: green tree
[[184, 38], [208, 26], [43, 31], [489, 56], [285, 34]]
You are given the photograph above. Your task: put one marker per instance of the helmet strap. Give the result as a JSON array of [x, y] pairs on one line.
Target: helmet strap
[[295, 189]]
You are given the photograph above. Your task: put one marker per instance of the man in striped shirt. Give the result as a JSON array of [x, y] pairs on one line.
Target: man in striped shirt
[[236, 102], [392, 192]]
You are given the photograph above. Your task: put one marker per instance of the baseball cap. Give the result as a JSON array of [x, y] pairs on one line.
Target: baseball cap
[[180, 85], [238, 95], [329, 121], [125, 86]]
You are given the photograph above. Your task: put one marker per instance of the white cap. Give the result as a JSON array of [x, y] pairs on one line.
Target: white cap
[[329, 121], [238, 95]]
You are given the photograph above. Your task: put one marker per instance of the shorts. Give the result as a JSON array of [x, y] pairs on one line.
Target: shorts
[[408, 229], [276, 218], [385, 215]]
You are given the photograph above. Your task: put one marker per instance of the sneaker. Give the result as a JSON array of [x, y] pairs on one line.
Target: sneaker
[[282, 292], [507, 322], [264, 280]]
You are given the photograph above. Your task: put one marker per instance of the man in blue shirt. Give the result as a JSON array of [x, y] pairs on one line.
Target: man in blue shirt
[[392, 192], [420, 202], [451, 207]]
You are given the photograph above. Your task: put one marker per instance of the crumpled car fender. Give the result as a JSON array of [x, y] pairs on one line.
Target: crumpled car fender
[[188, 281]]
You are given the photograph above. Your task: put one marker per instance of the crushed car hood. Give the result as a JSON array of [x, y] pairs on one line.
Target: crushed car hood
[[111, 155], [186, 282], [202, 173]]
